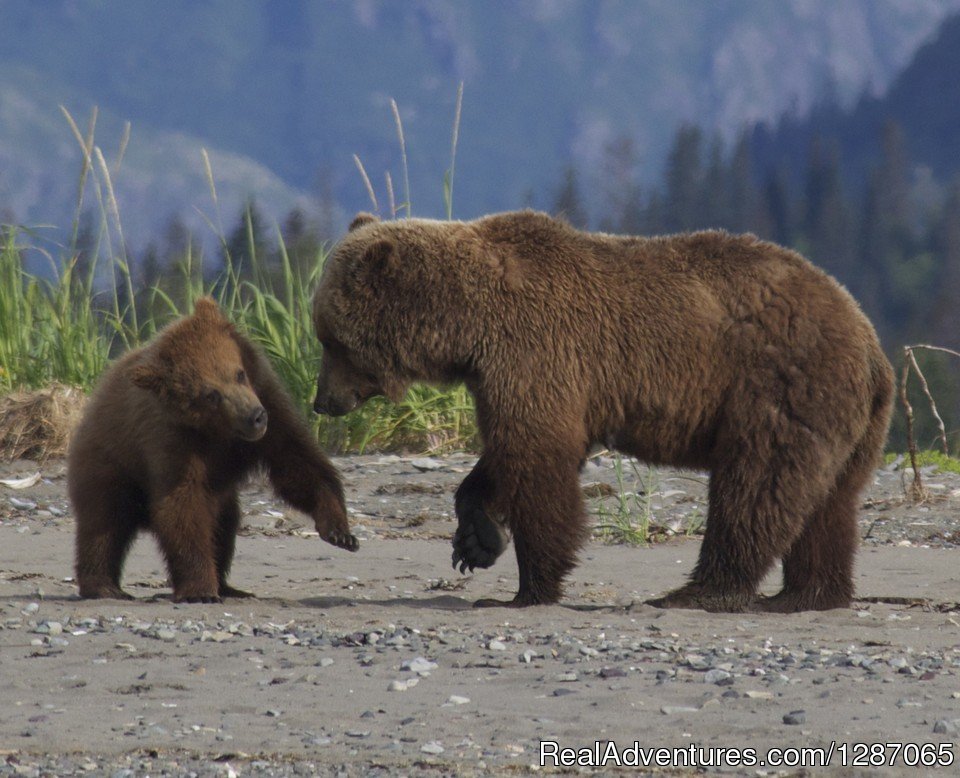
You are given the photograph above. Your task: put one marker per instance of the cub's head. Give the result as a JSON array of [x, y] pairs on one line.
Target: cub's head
[[196, 370]]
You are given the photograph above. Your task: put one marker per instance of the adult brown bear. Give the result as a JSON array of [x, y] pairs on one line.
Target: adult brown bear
[[708, 351], [164, 443]]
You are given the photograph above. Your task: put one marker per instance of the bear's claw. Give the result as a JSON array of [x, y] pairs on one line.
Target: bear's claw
[[343, 540], [226, 590], [109, 591], [199, 598], [478, 541]]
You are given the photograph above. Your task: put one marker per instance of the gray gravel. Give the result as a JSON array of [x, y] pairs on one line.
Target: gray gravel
[[375, 663]]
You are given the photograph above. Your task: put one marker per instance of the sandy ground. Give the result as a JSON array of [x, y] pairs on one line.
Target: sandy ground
[[376, 663]]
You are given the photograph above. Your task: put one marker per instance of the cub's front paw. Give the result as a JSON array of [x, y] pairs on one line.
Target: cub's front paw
[[342, 540]]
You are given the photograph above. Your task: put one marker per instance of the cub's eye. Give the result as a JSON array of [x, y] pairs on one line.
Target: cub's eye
[[241, 377], [213, 397]]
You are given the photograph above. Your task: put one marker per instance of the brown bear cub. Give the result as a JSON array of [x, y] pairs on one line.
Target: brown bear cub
[[710, 351], [168, 436]]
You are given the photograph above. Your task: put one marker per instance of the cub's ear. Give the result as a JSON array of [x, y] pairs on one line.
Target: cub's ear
[[361, 219], [207, 308], [149, 376]]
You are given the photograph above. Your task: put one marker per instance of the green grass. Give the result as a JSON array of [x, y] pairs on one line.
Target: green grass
[[630, 518], [65, 325], [49, 329], [944, 463], [64, 330]]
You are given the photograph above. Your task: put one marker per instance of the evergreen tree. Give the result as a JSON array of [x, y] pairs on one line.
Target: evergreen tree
[[325, 228], [716, 198], [151, 267], [247, 246], [623, 211], [683, 181], [567, 202], [828, 220], [302, 242], [894, 271], [945, 326], [745, 212], [86, 246]]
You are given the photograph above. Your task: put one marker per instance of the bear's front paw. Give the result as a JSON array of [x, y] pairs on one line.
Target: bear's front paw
[[342, 540], [478, 541]]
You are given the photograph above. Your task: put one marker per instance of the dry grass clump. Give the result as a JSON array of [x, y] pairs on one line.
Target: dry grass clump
[[37, 424]]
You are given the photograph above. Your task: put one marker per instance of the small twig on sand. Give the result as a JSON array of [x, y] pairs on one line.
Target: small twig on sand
[[917, 490]]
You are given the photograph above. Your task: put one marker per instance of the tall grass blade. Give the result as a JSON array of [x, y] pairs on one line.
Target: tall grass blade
[[390, 199], [448, 176], [366, 183], [124, 141], [86, 146], [403, 156]]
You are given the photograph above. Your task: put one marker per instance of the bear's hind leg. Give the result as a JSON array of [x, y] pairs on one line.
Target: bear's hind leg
[[758, 507], [818, 568], [227, 525], [108, 518]]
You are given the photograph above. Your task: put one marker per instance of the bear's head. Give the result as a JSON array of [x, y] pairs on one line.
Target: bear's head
[[382, 312], [195, 369], [351, 371]]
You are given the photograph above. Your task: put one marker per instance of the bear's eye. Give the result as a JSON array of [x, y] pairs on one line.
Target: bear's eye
[[213, 397], [241, 377]]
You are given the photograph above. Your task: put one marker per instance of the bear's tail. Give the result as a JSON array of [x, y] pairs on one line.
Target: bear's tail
[[870, 447]]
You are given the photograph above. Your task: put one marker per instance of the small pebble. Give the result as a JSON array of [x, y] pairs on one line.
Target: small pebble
[[670, 710], [795, 717], [426, 464], [613, 672], [418, 665], [716, 676]]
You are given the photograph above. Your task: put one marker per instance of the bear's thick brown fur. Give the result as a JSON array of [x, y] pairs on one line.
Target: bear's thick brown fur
[[166, 439], [709, 351]]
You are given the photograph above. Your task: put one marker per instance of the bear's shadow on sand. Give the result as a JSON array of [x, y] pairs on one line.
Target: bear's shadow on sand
[[443, 602]]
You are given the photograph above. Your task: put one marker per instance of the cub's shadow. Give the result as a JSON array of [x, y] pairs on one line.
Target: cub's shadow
[[441, 603]]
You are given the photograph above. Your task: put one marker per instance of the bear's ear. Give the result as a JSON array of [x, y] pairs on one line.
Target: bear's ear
[[361, 219], [149, 376], [379, 260], [206, 308]]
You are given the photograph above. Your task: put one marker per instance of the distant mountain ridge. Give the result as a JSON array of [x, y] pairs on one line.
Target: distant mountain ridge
[[284, 93], [923, 101]]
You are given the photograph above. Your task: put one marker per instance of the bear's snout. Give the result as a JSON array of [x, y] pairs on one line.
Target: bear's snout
[[255, 424], [328, 405]]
